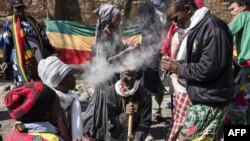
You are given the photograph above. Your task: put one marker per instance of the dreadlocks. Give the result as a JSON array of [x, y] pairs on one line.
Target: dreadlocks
[[180, 4]]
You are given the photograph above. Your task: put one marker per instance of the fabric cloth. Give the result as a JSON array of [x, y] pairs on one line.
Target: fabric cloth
[[203, 122], [45, 130], [153, 83], [119, 119], [166, 44], [1, 41], [47, 136], [181, 104], [37, 127], [25, 101], [52, 71], [25, 55], [34, 96], [195, 20], [63, 125], [105, 12], [208, 67], [95, 120], [119, 86], [240, 29], [37, 40], [239, 110], [15, 135], [71, 100], [152, 23]]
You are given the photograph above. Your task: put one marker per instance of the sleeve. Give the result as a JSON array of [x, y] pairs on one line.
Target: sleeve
[[145, 122], [7, 41], [118, 119], [217, 46], [237, 24]]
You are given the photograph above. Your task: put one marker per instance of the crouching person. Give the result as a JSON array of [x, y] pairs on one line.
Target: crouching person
[[125, 98], [57, 75], [36, 107]]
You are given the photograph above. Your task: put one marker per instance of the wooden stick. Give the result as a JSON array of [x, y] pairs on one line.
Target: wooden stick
[[130, 125]]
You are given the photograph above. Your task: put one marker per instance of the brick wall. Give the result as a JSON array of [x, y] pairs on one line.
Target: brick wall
[[81, 10]]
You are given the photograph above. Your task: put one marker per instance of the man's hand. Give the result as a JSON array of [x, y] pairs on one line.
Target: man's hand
[[169, 65], [129, 109], [131, 138]]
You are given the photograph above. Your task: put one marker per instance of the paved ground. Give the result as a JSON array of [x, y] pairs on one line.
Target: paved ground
[[157, 131]]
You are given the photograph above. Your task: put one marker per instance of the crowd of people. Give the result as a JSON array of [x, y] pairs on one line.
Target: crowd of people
[[205, 60]]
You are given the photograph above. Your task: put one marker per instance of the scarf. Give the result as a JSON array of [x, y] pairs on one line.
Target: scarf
[[15, 135], [71, 100], [26, 61], [166, 44], [195, 20], [127, 93]]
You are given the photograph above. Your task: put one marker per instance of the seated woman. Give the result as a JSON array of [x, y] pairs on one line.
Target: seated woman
[[36, 107], [57, 75]]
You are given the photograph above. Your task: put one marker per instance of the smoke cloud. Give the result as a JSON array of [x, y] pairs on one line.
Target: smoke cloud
[[146, 56]]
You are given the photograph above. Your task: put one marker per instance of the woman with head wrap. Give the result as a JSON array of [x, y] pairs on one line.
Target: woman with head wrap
[[108, 39], [57, 75], [109, 42], [108, 47], [36, 107]]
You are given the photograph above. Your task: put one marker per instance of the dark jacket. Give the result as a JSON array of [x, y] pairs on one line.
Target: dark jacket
[[208, 68], [119, 119]]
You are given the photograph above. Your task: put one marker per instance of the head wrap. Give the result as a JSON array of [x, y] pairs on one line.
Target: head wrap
[[29, 102], [52, 71], [105, 12]]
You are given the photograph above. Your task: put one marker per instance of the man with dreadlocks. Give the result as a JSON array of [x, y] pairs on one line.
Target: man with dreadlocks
[[205, 62]]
